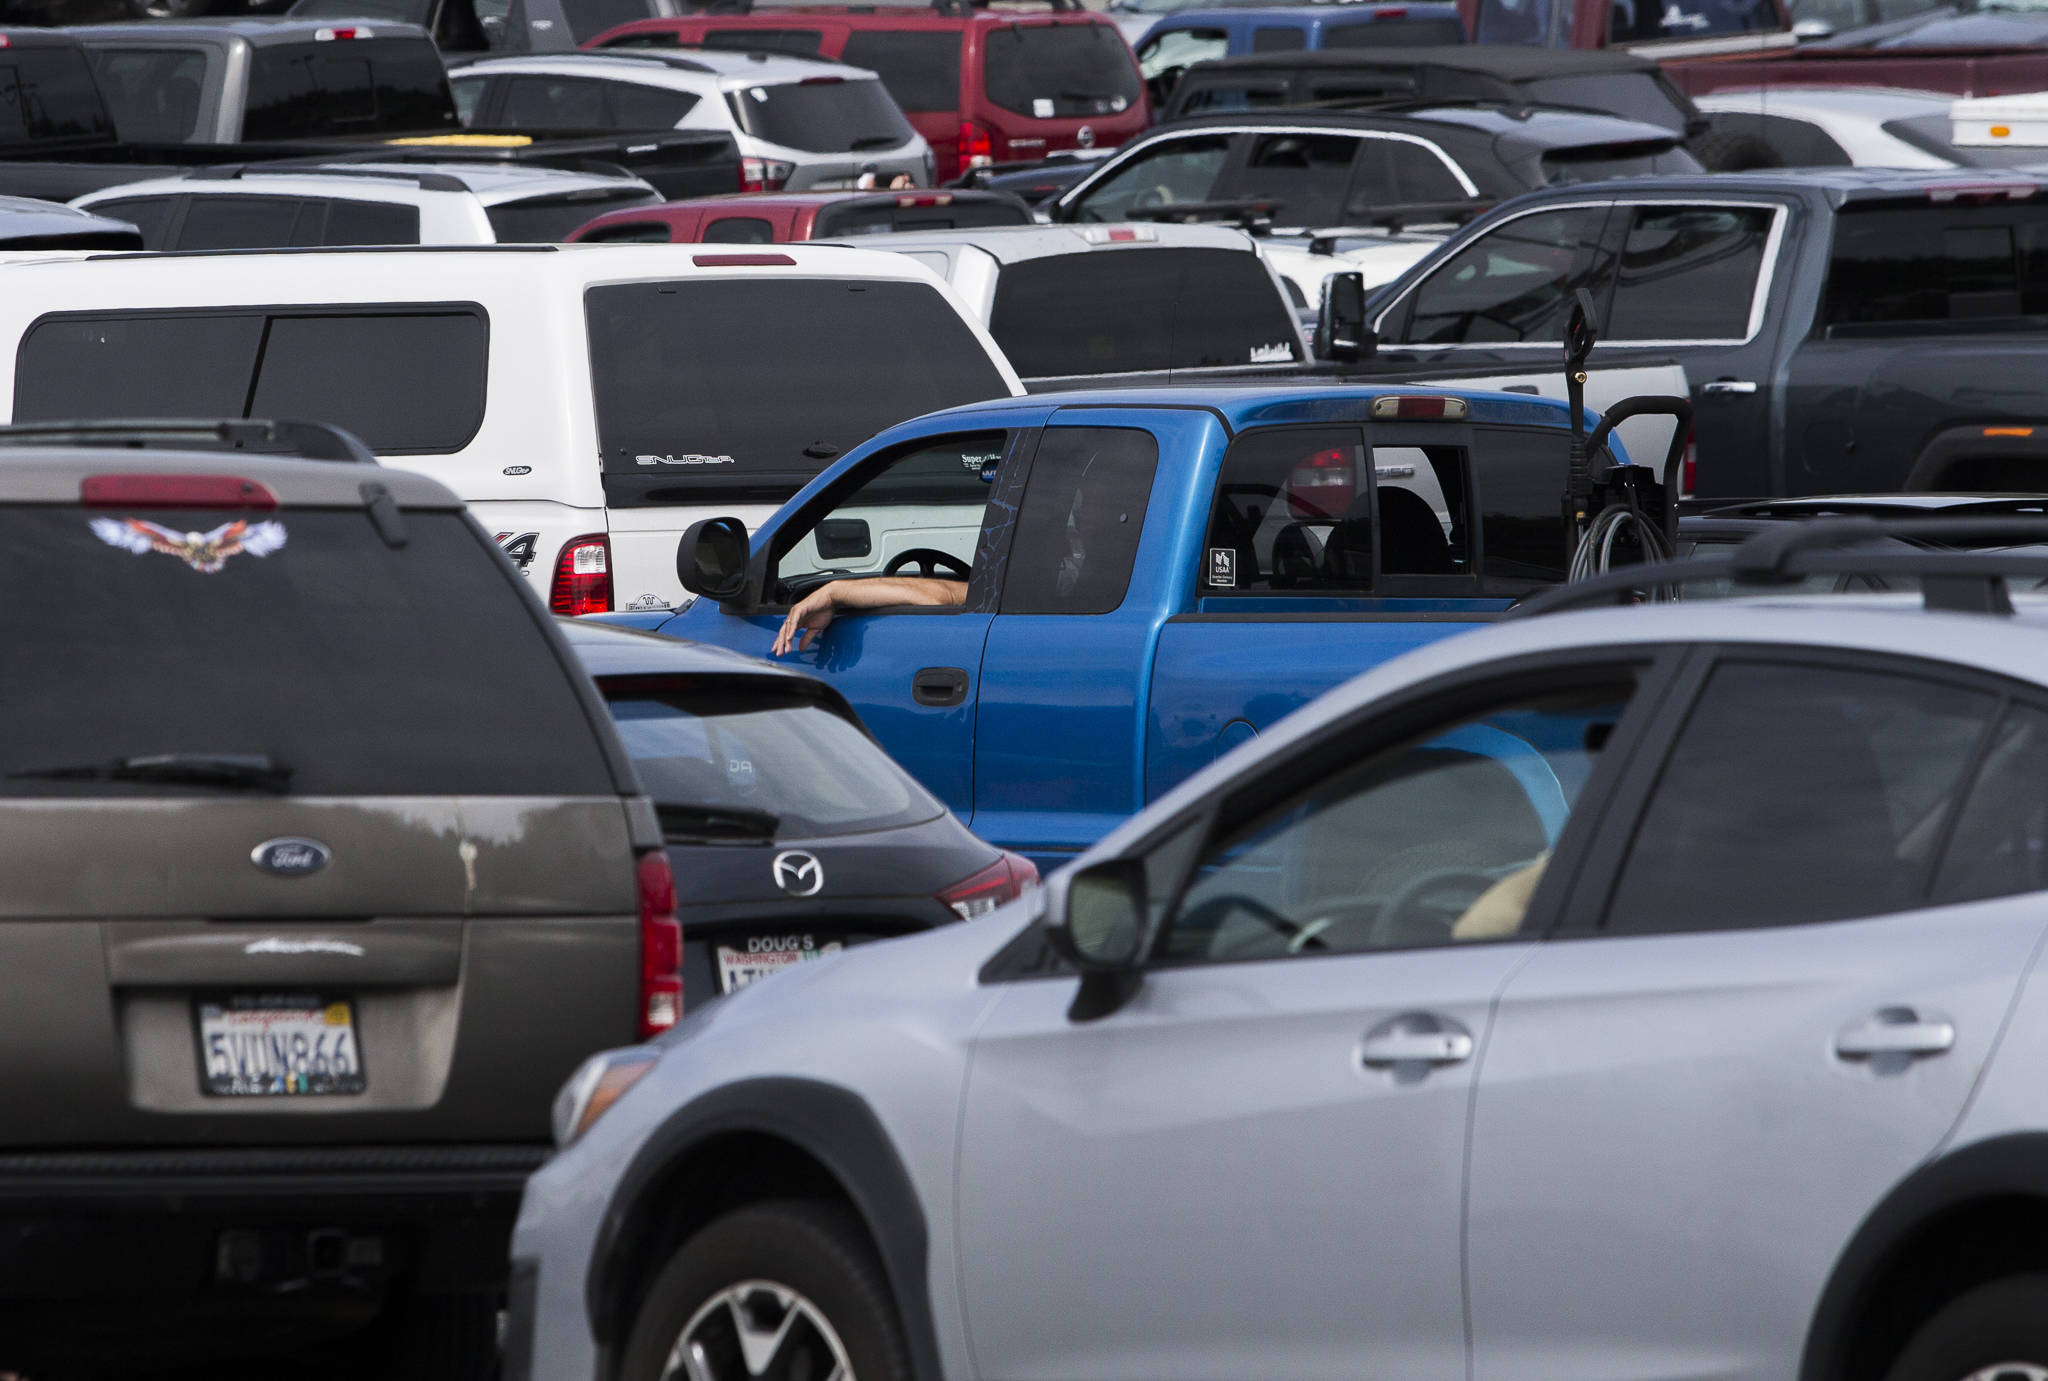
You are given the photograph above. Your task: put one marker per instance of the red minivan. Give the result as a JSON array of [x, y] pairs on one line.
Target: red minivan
[[981, 85]]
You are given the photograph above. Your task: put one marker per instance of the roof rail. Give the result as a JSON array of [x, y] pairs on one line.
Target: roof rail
[[1961, 582], [305, 440], [426, 182]]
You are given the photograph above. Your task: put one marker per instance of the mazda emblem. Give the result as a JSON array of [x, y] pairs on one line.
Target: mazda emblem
[[798, 873], [290, 857]]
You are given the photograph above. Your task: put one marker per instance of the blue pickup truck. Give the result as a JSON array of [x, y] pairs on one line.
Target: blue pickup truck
[[1152, 576]]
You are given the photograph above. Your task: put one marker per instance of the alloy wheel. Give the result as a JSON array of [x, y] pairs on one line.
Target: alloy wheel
[[758, 1329]]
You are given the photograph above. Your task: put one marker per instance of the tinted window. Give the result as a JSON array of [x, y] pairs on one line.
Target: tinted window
[[872, 218], [1795, 143], [371, 223], [823, 115], [1520, 21], [1439, 840], [921, 70], [1108, 312], [549, 220], [1799, 793], [1522, 473], [305, 90], [1271, 40], [1394, 33], [738, 230], [803, 41], [1293, 512], [238, 222], [1059, 71], [755, 750], [153, 93], [648, 107], [1168, 173], [553, 103], [1638, 21], [1512, 284], [48, 93], [1936, 265], [150, 215], [1078, 527], [1304, 176], [1688, 273], [589, 18], [1600, 162], [367, 670], [469, 95], [631, 232], [733, 381], [934, 495], [1394, 172], [405, 382], [1631, 95], [2000, 846]]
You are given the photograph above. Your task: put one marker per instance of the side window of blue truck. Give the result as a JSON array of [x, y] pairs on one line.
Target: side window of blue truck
[[1078, 527]]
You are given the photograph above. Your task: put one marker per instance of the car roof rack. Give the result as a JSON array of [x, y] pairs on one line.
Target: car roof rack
[[426, 182], [1957, 582], [286, 436]]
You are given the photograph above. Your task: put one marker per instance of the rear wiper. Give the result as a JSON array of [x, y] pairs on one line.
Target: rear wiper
[[699, 822], [228, 771], [874, 141]]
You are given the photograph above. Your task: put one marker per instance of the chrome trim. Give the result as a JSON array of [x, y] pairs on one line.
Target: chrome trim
[[1470, 187]]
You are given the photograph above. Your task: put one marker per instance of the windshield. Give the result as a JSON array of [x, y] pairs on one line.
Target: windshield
[[759, 752], [294, 636], [1060, 71], [823, 115], [1626, 160]]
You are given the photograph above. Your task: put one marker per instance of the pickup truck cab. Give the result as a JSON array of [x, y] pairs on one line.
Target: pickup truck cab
[[1153, 576]]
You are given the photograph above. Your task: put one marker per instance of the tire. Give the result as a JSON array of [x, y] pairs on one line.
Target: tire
[[1734, 153], [771, 1259], [1996, 1332]]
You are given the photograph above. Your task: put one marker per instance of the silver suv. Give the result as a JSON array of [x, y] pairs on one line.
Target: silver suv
[[1622, 994]]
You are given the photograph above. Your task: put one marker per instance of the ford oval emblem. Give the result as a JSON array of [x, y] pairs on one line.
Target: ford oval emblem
[[290, 858]]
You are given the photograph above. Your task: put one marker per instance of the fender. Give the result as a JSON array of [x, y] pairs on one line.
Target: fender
[[2002, 1167], [833, 1126]]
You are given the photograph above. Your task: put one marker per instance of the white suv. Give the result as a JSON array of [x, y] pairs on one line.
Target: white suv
[[802, 124], [239, 207]]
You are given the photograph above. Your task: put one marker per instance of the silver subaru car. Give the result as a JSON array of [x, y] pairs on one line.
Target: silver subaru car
[[1626, 993]]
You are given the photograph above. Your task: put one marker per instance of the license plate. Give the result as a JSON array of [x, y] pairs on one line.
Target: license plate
[[274, 1045], [761, 955]]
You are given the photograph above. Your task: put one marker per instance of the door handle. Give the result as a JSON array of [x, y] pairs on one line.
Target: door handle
[[1415, 1038], [939, 686], [1899, 1032], [1728, 386]]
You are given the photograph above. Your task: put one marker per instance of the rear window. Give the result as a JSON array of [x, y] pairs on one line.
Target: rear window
[[547, 220], [1599, 162], [823, 115], [921, 68], [1122, 310], [630, 232], [363, 86], [804, 42], [754, 749], [762, 382], [48, 93], [1942, 268], [1632, 95], [153, 93], [407, 383], [931, 213], [589, 18], [367, 670], [1394, 33], [1059, 71]]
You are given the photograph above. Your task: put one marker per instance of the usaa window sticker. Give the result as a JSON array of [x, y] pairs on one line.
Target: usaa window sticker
[[1223, 567], [205, 552]]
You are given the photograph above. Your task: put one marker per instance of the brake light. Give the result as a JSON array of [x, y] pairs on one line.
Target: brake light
[[742, 261], [929, 199], [1321, 486], [764, 174], [1006, 879], [329, 35], [1419, 407], [173, 491], [583, 577], [661, 946], [1689, 467], [977, 147], [1980, 191], [1119, 234], [5, 41]]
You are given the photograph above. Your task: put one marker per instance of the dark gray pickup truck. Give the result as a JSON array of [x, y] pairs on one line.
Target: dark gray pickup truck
[[1841, 329]]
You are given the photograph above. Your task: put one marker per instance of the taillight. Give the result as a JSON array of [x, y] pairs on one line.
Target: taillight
[[764, 174], [1689, 468], [583, 577], [173, 491], [1006, 879], [661, 947], [977, 148], [1322, 486]]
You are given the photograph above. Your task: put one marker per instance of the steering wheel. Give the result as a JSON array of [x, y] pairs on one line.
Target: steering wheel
[[930, 561], [1283, 926], [1387, 927]]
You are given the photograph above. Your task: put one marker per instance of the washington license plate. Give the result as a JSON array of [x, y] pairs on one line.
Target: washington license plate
[[760, 955], [278, 1045]]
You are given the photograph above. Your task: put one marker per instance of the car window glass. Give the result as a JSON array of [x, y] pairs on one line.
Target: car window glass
[[304, 90], [1395, 33], [1639, 21], [589, 18], [738, 230], [1304, 176], [801, 41], [1168, 173], [150, 215], [630, 232], [1517, 21], [1181, 48], [1688, 273], [553, 103], [403, 382], [1439, 840], [1079, 523], [1522, 473], [1798, 793], [49, 93], [230, 221], [136, 366], [2000, 847], [1941, 263], [1293, 514], [648, 107], [371, 223], [1514, 283], [878, 218], [1421, 178], [823, 115], [921, 69], [1599, 162], [1059, 71], [469, 94], [554, 218], [1271, 39], [1419, 498], [933, 495], [152, 93]]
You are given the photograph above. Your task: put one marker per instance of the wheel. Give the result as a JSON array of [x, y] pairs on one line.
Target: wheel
[[784, 1289], [1996, 1332]]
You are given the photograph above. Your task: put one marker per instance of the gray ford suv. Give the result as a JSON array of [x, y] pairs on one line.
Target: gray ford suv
[[320, 869]]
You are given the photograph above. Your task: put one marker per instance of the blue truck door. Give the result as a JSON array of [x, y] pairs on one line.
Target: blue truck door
[[1065, 675]]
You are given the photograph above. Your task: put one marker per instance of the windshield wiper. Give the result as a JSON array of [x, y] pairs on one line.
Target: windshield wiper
[[874, 141], [228, 771], [701, 822]]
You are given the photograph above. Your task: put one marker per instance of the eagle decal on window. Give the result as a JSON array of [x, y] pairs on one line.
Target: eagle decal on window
[[205, 552]]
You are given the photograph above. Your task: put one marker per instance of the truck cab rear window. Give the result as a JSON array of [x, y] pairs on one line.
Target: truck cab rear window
[[48, 93], [1941, 268], [310, 90], [407, 383], [152, 92]]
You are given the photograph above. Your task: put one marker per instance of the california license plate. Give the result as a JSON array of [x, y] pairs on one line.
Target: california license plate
[[272, 1045], [761, 955]]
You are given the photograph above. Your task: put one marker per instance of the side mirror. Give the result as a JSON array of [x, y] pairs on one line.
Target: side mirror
[[1103, 934], [711, 560], [1341, 332]]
